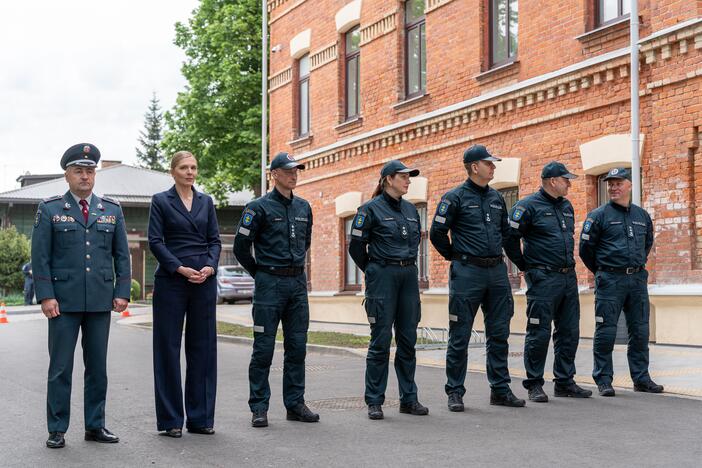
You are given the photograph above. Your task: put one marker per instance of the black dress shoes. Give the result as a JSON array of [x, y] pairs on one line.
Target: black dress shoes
[[56, 440], [648, 386], [375, 412], [201, 430], [176, 433], [302, 413], [415, 408], [571, 390], [605, 389], [537, 394], [259, 418], [506, 399], [455, 403], [101, 435]]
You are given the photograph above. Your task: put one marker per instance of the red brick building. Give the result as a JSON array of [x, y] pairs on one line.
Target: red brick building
[[356, 83]]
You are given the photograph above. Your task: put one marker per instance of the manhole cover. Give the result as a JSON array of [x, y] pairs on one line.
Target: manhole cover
[[307, 368], [348, 403]]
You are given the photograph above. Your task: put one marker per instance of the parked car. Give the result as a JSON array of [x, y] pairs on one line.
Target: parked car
[[233, 284]]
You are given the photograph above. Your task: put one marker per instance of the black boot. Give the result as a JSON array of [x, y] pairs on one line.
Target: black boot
[[302, 413], [537, 394], [506, 399]]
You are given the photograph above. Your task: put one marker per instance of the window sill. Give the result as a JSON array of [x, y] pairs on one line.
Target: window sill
[[597, 33], [500, 71], [349, 125], [408, 102], [348, 292], [302, 141]]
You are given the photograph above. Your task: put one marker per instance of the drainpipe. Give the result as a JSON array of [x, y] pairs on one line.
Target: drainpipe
[[264, 95], [635, 130]]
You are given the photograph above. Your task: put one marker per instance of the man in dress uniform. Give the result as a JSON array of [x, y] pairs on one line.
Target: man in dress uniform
[[279, 226], [614, 244], [80, 262]]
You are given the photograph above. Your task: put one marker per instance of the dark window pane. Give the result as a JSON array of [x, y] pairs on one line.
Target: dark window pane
[[352, 90], [513, 27], [353, 40], [609, 9], [499, 31], [304, 108], [352, 274], [414, 10], [413, 60], [423, 59]]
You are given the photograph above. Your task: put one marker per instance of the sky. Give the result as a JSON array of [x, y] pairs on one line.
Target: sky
[[77, 71]]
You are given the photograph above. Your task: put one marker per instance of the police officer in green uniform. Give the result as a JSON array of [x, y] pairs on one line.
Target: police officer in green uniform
[[80, 261], [476, 217], [279, 226], [614, 244], [546, 224], [385, 237]]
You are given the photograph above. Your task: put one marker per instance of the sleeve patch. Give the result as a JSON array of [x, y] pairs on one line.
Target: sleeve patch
[[359, 221], [357, 232], [518, 213], [514, 224], [588, 225], [244, 231], [248, 218], [440, 219], [37, 217], [585, 237], [443, 207]]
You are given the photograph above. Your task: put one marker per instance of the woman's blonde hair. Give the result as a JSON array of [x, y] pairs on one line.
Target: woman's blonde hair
[[179, 156]]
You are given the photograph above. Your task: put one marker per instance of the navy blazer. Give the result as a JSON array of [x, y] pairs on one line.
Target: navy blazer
[[181, 238]]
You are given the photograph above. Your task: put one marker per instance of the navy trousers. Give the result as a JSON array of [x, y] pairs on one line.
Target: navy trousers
[[176, 300], [63, 335], [392, 301], [276, 299], [551, 297], [471, 286], [614, 292]]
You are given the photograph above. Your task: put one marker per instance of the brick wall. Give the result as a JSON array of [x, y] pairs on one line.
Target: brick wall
[[539, 122]]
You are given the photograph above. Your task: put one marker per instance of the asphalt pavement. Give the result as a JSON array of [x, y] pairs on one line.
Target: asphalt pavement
[[631, 429]]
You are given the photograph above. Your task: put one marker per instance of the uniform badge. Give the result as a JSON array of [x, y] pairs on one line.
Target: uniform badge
[[56, 219], [588, 225], [64, 219], [86, 149], [360, 220], [404, 232], [443, 208], [248, 219], [66, 206], [292, 230], [37, 218], [100, 207], [518, 213], [614, 171]]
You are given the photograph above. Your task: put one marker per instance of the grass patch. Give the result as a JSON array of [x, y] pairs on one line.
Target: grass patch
[[13, 299], [346, 340]]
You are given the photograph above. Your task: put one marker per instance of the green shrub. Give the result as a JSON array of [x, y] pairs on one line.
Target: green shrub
[[135, 292], [14, 252]]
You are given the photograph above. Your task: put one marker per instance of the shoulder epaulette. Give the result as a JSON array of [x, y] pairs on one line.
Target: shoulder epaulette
[[55, 197], [111, 200]]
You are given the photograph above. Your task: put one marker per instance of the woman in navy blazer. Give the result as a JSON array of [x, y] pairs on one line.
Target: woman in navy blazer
[[184, 238]]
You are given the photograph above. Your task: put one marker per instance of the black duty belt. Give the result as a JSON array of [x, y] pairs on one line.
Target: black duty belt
[[399, 262], [283, 271], [565, 270], [626, 270], [478, 261]]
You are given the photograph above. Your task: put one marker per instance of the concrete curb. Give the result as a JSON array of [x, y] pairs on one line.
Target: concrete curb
[[315, 348]]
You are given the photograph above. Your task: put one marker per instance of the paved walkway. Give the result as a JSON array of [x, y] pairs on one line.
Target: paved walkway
[[630, 430], [678, 368]]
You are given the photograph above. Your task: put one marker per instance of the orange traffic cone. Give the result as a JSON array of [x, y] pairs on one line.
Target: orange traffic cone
[[125, 313], [3, 313]]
